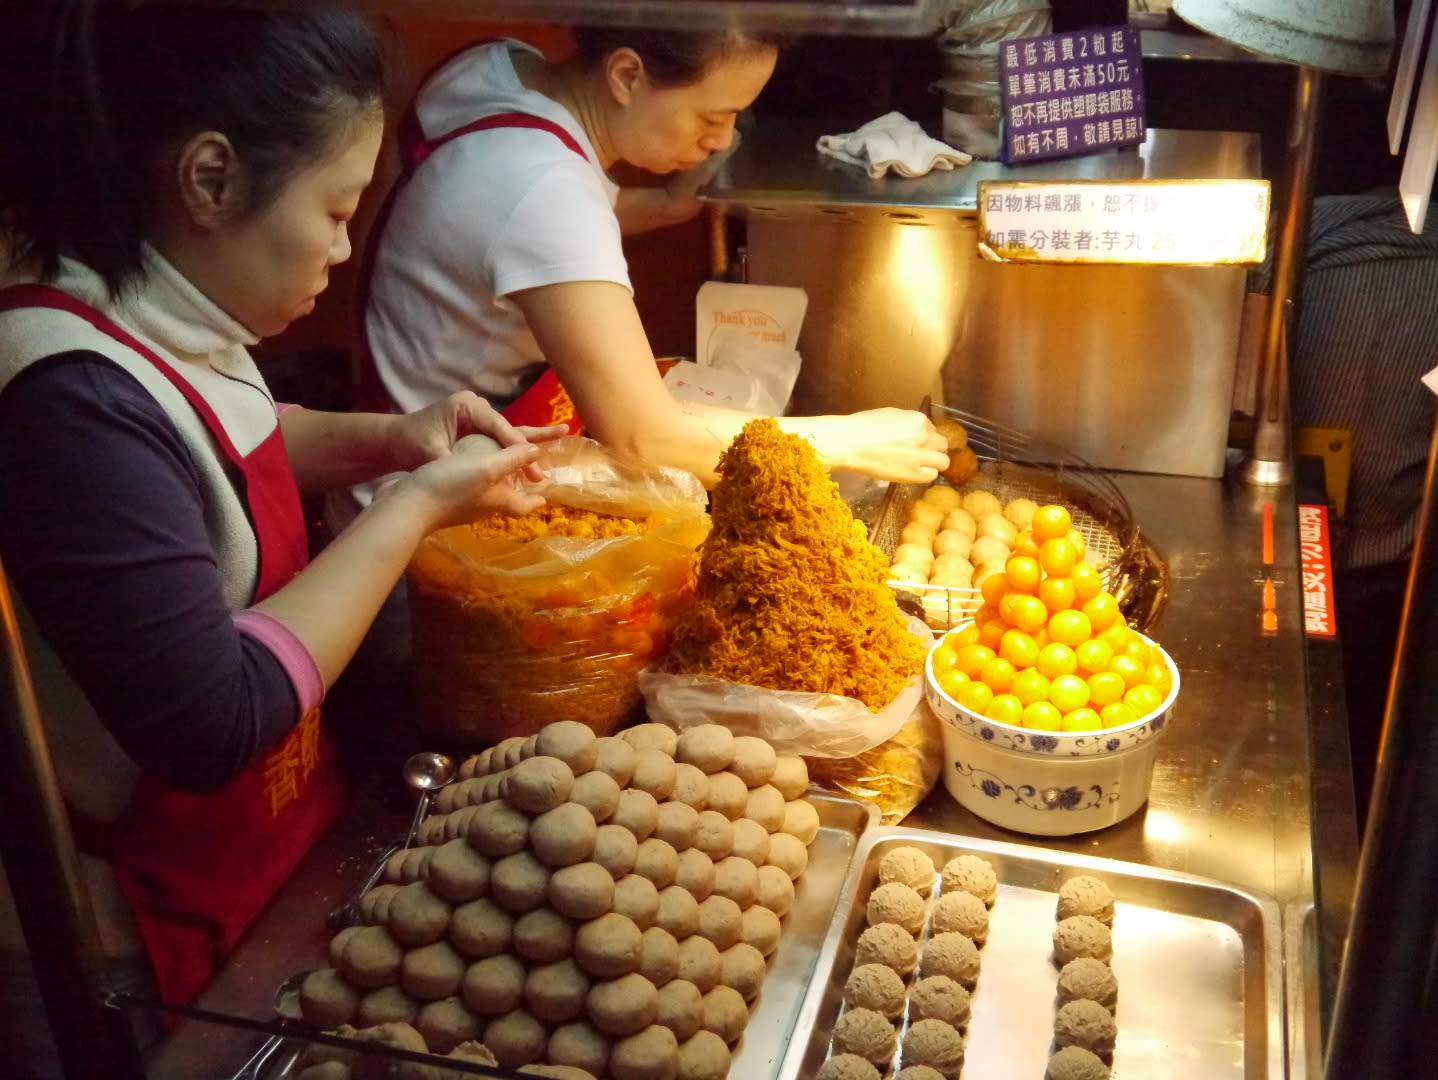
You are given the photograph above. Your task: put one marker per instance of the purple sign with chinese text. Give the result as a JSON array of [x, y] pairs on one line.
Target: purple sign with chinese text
[[1073, 93]]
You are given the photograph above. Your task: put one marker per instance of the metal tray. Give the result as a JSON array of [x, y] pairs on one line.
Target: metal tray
[[843, 823], [1199, 966]]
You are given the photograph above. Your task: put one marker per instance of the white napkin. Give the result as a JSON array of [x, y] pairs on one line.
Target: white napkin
[[892, 141]]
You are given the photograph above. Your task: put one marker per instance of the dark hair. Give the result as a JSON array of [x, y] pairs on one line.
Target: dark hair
[[102, 88], [671, 57]]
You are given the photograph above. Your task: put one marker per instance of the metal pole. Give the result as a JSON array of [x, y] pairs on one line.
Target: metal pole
[[1270, 456], [1388, 986], [94, 1042]]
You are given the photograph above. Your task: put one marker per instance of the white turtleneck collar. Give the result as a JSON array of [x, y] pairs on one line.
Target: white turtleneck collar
[[163, 305]]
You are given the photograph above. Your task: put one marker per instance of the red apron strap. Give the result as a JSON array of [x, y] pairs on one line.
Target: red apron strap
[[367, 391]]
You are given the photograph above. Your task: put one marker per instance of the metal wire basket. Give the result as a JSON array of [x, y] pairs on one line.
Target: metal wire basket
[[1013, 465]]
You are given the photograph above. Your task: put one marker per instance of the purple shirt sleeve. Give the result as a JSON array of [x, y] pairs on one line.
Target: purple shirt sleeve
[[102, 532]]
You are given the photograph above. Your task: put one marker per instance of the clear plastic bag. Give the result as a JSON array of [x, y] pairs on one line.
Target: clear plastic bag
[[513, 631], [969, 43], [890, 758]]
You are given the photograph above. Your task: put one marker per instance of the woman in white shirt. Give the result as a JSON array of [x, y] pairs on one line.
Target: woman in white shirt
[[500, 250]]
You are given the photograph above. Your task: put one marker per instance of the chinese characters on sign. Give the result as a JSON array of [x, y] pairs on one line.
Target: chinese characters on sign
[[1174, 222], [1315, 560], [1074, 93]]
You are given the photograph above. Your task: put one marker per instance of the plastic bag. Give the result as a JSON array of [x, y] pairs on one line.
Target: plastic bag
[[513, 631], [890, 758], [969, 43]]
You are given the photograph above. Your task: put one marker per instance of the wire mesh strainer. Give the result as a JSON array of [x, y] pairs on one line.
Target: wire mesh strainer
[[1013, 465]]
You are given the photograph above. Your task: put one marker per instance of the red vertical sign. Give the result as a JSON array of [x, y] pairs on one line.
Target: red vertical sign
[[1315, 560]]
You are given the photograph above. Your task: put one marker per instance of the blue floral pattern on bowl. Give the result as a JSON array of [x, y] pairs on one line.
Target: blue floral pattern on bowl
[[1068, 797]]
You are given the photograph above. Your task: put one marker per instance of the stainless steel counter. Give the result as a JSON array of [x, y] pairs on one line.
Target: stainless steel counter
[[1231, 795]]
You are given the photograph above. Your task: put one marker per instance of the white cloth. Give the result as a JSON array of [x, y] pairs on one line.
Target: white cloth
[[484, 216], [892, 141]]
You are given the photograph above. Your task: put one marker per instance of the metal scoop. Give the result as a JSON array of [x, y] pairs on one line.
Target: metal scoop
[[426, 773]]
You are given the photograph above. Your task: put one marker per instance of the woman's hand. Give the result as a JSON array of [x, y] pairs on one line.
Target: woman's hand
[[435, 432], [891, 444], [477, 476]]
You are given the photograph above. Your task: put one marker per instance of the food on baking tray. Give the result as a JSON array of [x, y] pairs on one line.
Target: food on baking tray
[[971, 874], [896, 903], [1049, 648], [866, 1033], [1087, 1024], [933, 1012], [564, 918], [936, 1044], [1087, 979], [786, 572], [1076, 1063], [908, 866], [876, 987], [940, 998], [847, 1067], [1085, 895], [1081, 935], [962, 913]]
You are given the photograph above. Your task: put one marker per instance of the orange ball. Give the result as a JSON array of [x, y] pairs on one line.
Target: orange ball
[[1028, 613], [1058, 557], [1058, 594], [993, 589], [970, 659], [1093, 655], [1117, 714], [1056, 659], [974, 696], [952, 682], [1071, 628], [1082, 720], [1023, 573], [1050, 523], [1006, 709], [1019, 649], [1069, 692], [1143, 698], [1102, 611], [1088, 582], [1042, 716], [1105, 688], [1030, 685], [997, 674], [992, 633], [1131, 670]]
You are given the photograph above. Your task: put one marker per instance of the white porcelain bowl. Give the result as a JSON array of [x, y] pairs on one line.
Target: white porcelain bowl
[[1047, 783]]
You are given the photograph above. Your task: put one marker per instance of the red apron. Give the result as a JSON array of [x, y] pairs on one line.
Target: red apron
[[197, 869], [545, 402]]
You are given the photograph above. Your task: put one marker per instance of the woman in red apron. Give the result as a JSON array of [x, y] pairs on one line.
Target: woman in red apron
[[150, 486], [498, 266]]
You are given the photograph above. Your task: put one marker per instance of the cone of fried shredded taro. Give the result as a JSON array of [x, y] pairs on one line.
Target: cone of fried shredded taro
[[791, 596]]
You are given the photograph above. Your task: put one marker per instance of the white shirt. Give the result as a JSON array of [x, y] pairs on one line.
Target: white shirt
[[486, 215]]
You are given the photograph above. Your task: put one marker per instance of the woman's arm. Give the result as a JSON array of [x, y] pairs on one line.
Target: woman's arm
[[102, 528], [330, 604], [591, 334]]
